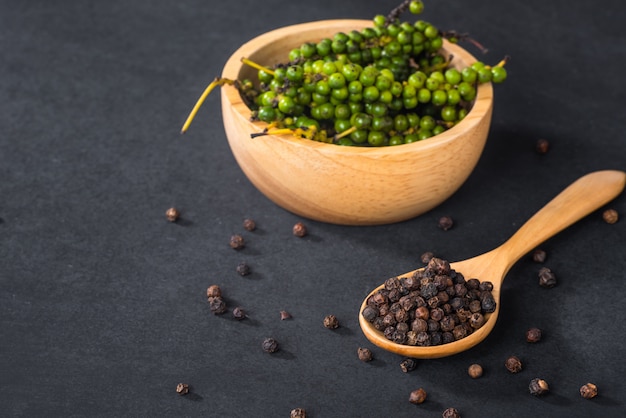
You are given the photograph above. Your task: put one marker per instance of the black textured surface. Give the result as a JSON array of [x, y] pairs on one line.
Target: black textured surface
[[102, 306]]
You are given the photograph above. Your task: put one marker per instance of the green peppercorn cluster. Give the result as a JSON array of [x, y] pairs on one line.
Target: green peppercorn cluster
[[388, 84]]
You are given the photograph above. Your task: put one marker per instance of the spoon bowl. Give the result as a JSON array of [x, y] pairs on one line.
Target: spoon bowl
[[582, 197]]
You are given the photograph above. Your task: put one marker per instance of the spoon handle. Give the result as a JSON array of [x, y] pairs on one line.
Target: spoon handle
[[579, 199]]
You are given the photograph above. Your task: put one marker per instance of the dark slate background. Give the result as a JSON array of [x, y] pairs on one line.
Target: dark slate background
[[102, 301]]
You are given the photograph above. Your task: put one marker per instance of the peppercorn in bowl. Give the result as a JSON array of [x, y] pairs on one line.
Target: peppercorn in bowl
[[325, 180]]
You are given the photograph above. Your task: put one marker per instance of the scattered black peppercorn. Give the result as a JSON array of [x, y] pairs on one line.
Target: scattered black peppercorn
[[297, 413], [451, 413], [237, 242], [239, 313], [513, 364], [299, 230], [475, 371], [588, 391], [365, 354], [610, 216], [547, 278], [284, 315], [243, 268], [445, 223], [426, 257], [172, 214], [270, 345], [331, 322], [408, 365], [182, 389], [542, 146], [249, 224], [217, 305], [538, 387], [418, 396], [533, 335], [539, 256], [213, 291]]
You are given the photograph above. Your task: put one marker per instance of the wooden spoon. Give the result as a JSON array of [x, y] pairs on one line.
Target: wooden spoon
[[582, 197]]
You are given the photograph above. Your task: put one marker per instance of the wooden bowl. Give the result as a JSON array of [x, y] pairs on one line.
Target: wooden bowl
[[343, 184]]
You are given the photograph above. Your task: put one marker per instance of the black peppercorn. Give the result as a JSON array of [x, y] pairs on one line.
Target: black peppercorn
[[485, 286], [217, 305], [588, 391], [243, 269], [542, 146], [477, 320], [533, 335], [331, 322], [610, 216], [487, 302], [297, 413], [418, 396], [451, 413], [426, 257], [408, 364], [172, 214], [299, 230], [270, 345], [249, 224], [237, 242], [539, 255], [513, 364], [239, 313], [475, 371], [213, 291], [365, 354], [547, 278], [182, 389], [538, 387], [445, 223]]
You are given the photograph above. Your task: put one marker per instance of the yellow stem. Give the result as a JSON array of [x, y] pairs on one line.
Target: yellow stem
[[217, 82], [345, 133], [282, 131], [502, 62], [257, 66]]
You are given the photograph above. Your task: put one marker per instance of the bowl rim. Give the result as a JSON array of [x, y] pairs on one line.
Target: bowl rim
[[482, 105]]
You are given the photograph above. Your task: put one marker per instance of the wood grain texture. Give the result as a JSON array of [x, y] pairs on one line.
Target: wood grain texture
[[349, 185], [582, 197]]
